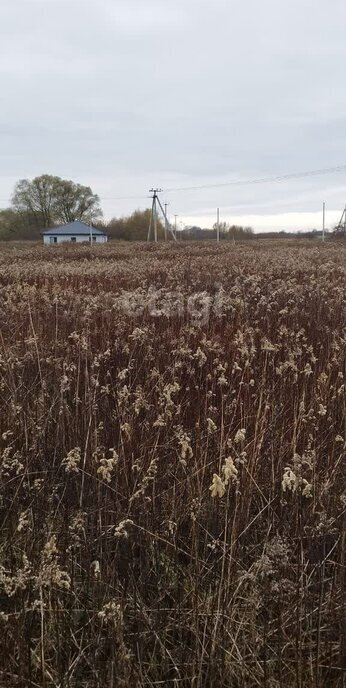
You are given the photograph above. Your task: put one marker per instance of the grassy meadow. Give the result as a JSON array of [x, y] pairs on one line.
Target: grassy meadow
[[172, 465]]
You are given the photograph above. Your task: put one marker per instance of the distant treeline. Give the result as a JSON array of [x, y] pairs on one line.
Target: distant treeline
[[135, 228], [21, 224], [24, 225], [302, 234], [227, 232]]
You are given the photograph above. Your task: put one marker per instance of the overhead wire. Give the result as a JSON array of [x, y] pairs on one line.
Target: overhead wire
[[261, 180], [239, 182]]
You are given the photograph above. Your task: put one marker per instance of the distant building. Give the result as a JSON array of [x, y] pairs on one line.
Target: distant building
[[74, 232]]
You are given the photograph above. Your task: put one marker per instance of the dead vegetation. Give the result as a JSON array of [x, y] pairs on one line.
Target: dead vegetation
[[172, 466]]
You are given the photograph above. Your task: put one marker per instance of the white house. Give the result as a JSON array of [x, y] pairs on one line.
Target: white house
[[75, 232]]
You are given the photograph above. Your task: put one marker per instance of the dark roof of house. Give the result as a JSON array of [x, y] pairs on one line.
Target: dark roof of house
[[73, 228]]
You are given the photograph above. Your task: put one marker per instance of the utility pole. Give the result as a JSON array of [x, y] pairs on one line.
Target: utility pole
[[218, 224], [323, 220], [91, 231], [166, 204], [175, 225], [153, 215], [155, 223], [340, 228]]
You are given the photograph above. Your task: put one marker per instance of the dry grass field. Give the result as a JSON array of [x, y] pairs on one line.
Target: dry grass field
[[172, 466]]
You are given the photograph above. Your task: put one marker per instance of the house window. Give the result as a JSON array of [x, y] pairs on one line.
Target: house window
[[53, 240], [94, 239], [73, 238]]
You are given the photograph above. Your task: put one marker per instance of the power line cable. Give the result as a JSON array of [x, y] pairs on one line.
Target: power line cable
[[261, 180], [239, 182]]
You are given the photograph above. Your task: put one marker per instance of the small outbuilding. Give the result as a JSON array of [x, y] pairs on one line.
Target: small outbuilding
[[74, 232]]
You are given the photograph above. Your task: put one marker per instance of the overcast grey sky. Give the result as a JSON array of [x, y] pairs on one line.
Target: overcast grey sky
[[126, 94]]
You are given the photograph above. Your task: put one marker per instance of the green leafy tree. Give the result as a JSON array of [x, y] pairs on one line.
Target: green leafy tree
[[37, 198], [76, 202], [51, 200]]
